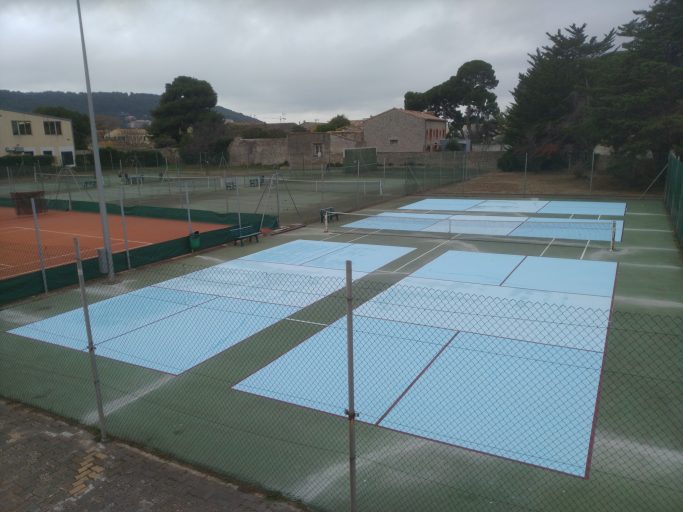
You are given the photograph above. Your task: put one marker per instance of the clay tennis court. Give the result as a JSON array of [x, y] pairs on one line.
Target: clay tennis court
[[19, 252]]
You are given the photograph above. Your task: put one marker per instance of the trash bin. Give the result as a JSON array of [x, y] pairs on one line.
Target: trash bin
[[195, 241]]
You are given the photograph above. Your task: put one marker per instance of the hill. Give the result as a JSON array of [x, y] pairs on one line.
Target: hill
[[115, 104]]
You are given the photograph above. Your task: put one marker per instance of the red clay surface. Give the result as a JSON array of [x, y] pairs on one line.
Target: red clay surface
[[19, 250]]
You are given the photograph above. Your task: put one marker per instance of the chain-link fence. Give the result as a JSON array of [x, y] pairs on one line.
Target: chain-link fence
[[673, 196], [459, 401], [293, 195]]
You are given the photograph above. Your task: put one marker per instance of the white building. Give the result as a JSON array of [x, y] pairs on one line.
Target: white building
[[37, 134]]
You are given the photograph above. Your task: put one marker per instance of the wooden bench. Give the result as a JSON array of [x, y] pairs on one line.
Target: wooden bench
[[244, 233], [330, 212]]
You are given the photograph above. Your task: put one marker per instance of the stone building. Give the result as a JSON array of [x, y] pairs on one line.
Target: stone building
[[398, 130]]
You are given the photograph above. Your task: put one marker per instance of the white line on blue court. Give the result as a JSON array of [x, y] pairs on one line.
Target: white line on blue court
[[420, 256]]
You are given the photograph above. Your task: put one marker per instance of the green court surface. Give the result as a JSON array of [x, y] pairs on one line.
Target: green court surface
[[637, 455]]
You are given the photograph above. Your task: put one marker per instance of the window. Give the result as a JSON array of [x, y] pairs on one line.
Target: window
[[21, 128], [393, 141], [317, 149], [52, 127], [47, 152]]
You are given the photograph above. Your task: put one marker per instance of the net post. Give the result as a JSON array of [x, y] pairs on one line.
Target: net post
[[91, 345], [39, 243], [351, 411], [614, 236]]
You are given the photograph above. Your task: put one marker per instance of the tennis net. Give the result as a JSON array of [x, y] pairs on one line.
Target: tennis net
[[512, 228]]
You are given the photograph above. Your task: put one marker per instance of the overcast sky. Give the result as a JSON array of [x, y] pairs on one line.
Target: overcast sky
[[306, 59]]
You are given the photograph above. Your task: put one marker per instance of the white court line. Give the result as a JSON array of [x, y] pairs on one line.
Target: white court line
[[420, 256], [363, 236], [78, 235], [585, 249], [649, 229], [649, 266], [547, 247], [92, 417]]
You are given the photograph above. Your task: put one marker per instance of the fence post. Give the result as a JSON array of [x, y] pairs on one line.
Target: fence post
[[187, 205], [91, 345], [590, 182], [614, 235], [351, 411], [125, 229], [526, 160], [39, 243]]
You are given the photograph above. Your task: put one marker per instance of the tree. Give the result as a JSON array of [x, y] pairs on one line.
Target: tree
[[185, 102], [336, 123], [551, 98], [466, 99], [208, 139], [637, 97], [80, 123]]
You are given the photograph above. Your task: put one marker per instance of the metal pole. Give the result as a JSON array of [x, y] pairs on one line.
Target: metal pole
[[526, 160], [590, 183], [614, 235], [96, 155], [277, 195], [91, 345], [187, 205], [125, 230], [326, 221], [39, 243], [358, 165], [351, 411], [239, 207]]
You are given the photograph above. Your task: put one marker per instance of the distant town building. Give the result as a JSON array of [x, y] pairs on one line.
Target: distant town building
[[126, 138], [36, 134]]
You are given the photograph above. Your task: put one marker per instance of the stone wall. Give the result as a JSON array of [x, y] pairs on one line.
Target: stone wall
[[245, 152]]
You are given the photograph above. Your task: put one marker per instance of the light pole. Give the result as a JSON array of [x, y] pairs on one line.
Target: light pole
[[96, 156]]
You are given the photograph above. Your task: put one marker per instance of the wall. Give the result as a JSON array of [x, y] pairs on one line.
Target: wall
[[245, 152], [409, 131], [300, 147]]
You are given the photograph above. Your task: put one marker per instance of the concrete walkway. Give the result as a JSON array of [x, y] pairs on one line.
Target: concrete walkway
[[48, 465]]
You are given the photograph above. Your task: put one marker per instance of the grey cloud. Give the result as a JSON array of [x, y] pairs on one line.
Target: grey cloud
[[307, 58]]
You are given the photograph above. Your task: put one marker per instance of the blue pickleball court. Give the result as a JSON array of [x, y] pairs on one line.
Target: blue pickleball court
[[499, 354], [176, 324], [494, 225], [591, 208]]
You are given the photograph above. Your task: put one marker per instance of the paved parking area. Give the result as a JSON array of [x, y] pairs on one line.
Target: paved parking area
[[49, 465]]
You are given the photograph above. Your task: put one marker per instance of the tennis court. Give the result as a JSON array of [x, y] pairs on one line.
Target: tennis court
[[595, 208], [474, 379], [135, 327], [19, 249], [542, 377], [492, 225]]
